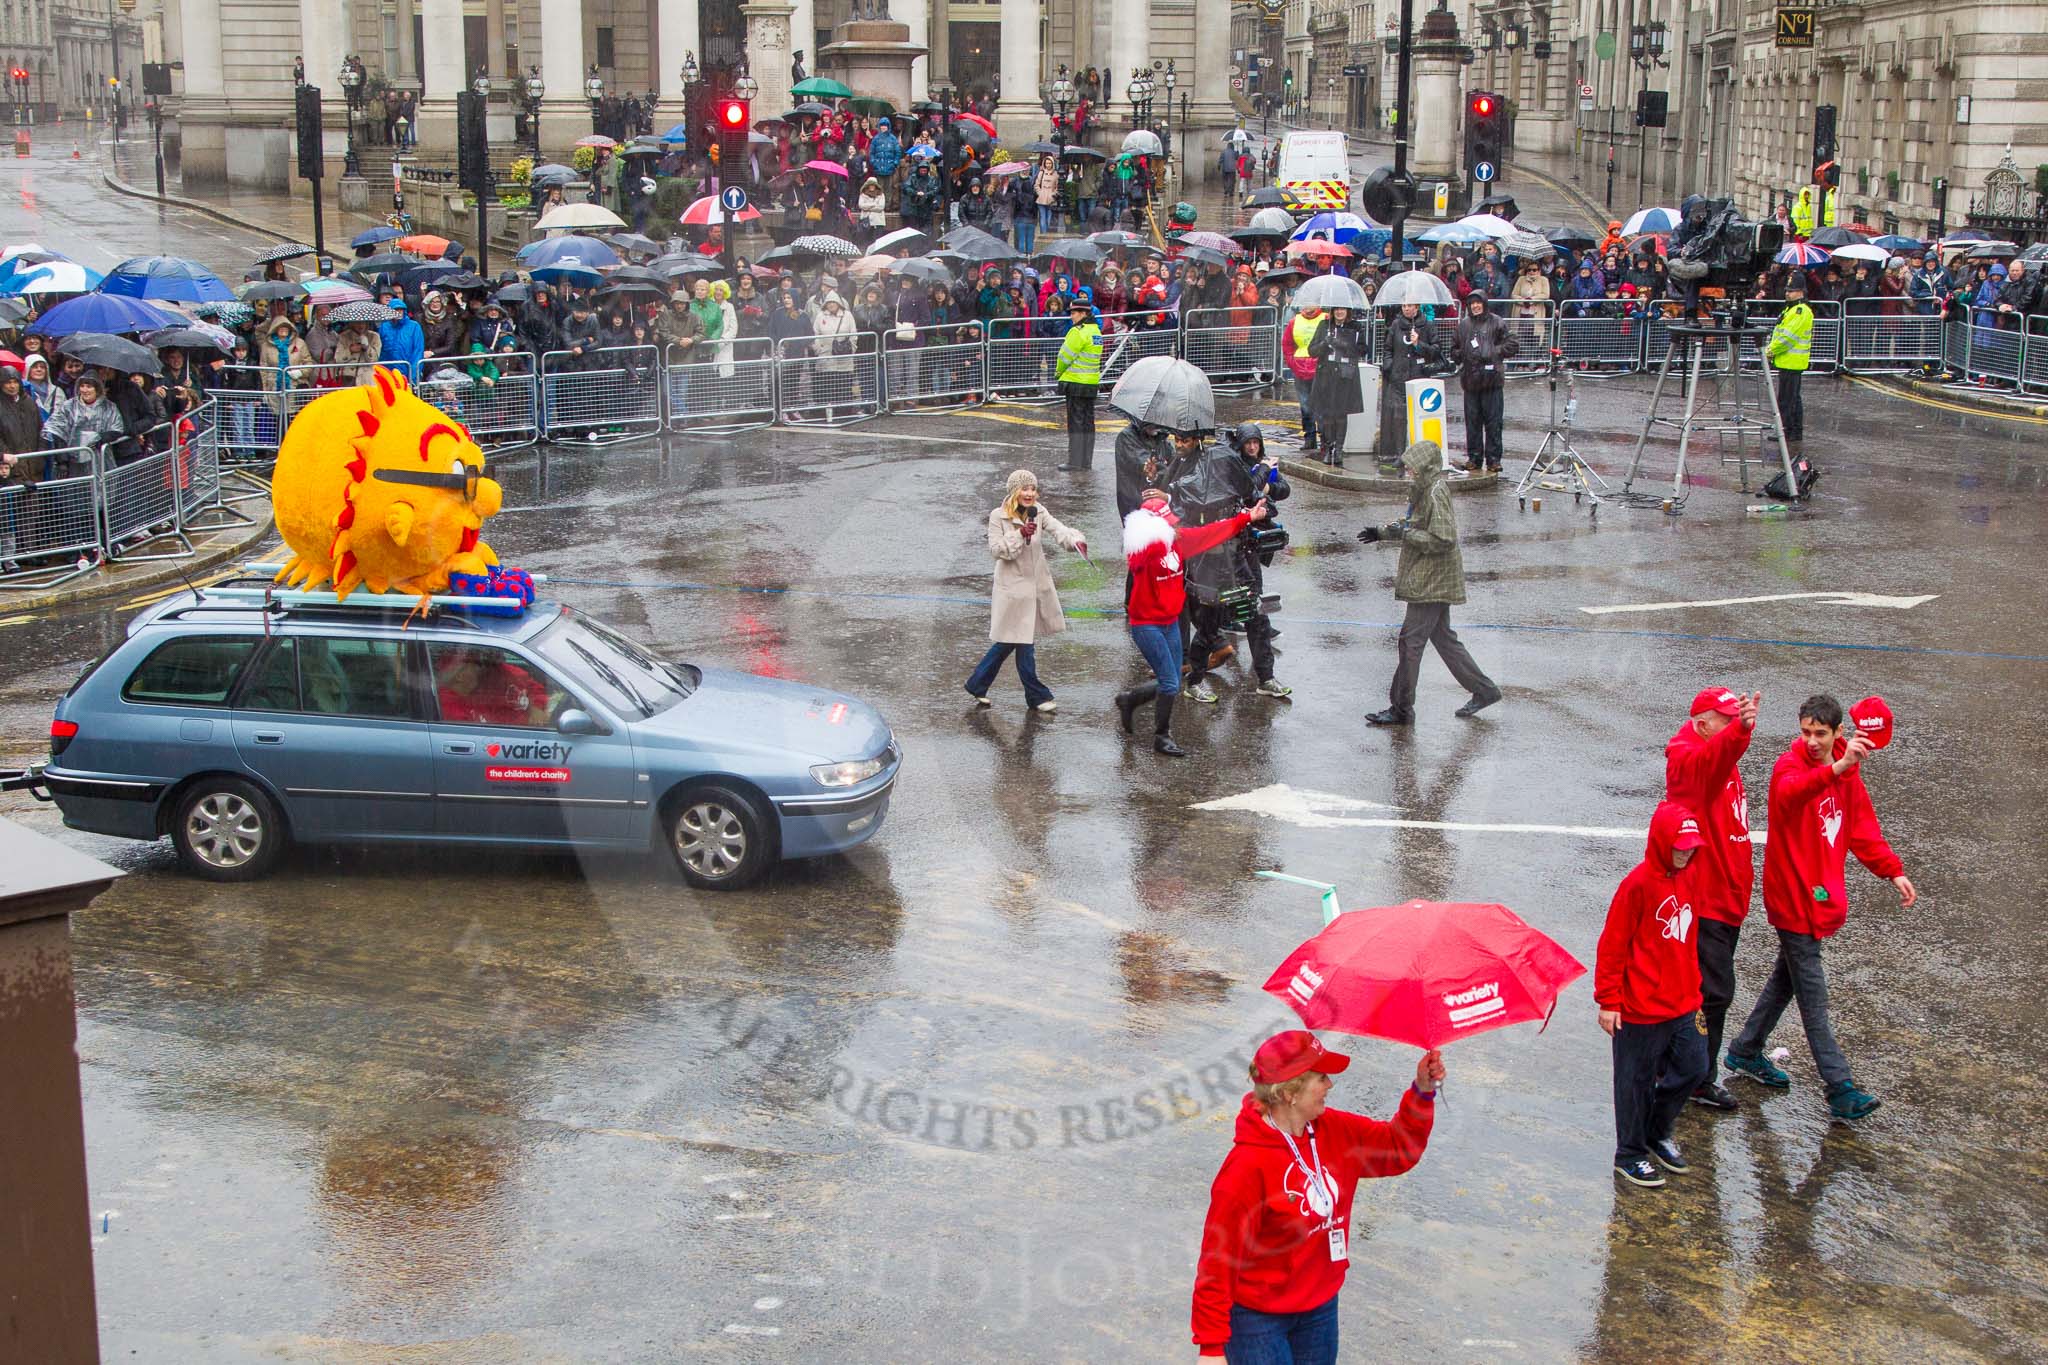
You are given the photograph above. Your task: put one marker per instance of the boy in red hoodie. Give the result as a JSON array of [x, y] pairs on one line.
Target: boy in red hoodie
[[1646, 981], [1701, 774], [1155, 545], [1819, 815], [1277, 1240]]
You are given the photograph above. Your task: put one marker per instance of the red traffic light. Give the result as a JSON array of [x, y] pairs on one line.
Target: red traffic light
[[732, 114], [1482, 105]]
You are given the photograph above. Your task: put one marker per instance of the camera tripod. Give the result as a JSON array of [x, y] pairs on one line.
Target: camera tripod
[[1687, 354], [1557, 465]]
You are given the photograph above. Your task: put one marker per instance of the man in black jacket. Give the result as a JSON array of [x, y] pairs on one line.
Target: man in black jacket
[[1252, 478], [1484, 347]]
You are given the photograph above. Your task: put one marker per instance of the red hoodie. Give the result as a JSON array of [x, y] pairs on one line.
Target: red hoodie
[[1649, 961], [1262, 1247], [1816, 821], [1701, 775], [1155, 549]]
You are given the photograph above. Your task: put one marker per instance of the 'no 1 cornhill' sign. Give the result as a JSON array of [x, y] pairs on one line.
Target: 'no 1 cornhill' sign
[[1795, 27]]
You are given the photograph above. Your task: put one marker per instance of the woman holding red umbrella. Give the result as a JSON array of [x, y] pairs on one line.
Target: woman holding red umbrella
[[1277, 1240]]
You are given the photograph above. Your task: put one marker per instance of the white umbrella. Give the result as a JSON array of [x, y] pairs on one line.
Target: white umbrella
[[908, 240], [1492, 224], [1527, 245], [22, 248], [1650, 220], [57, 277], [1279, 220], [1143, 141], [1413, 286], [1861, 251], [578, 216], [1330, 291]]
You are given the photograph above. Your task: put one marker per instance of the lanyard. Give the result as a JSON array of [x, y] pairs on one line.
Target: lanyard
[[1319, 1191]]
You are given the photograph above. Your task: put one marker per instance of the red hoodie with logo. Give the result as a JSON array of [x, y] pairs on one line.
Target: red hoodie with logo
[[1817, 821], [1156, 550], [1701, 774], [1262, 1246], [1648, 967]]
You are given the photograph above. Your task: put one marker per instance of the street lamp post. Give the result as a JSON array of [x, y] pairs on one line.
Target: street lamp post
[[1646, 51], [483, 189], [692, 76], [744, 87], [1062, 99], [351, 78], [593, 90], [1170, 78], [534, 89]]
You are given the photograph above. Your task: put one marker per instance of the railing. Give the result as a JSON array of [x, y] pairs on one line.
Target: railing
[[1238, 348], [946, 366], [1888, 336], [828, 380], [720, 387], [2034, 357], [607, 394], [495, 396], [1992, 352]]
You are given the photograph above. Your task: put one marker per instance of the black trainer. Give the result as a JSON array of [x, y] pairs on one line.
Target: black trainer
[[1715, 1096], [1669, 1157], [1477, 704], [1393, 715], [1640, 1171], [1163, 744]]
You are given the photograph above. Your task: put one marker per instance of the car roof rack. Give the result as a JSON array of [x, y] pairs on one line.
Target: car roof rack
[[256, 589]]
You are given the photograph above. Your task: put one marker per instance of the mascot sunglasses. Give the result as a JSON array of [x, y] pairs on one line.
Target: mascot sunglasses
[[458, 479]]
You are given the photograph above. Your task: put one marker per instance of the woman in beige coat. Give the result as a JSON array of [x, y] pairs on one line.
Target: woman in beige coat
[[1025, 604]]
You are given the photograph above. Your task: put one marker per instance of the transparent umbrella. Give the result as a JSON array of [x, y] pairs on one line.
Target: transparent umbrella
[[1164, 392], [1413, 286], [1330, 291]]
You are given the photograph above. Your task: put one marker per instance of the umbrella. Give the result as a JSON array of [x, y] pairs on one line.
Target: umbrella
[[1268, 196], [165, 277], [1214, 241], [462, 280], [908, 240], [782, 253], [552, 172], [927, 107], [1142, 142], [377, 236], [263, 291], [1571, 238], [679, 133], [1259, 234], [1164, 392], [21, 248], [198, 336], [22, 259], [1526, 245], [103, 313], [283, 251], [1330, 291], [1492, 224], [363, 311], [577, 216], [968, 128], [1892, 241], [511, 294], [808, 109], [594, 140], [1457, 234], [645, 146], [708, 212], [2037, 252], [587, 252], [976, 121], [1992, 251], [923, 152], [824, 244], [1282, 274], [1276, 218], [1500, 205], [828, 167], [1009, 168], [1412, 286], [1966, 235], [1836, 236], [320, 293], [1650, 220], [1861, 251], [430, 273], [1202, 255], [423, 244], [674, 267], [53, 277], [1083, 154], [1802, 254], [972, 244], [1331, 227], [873, 106], [226, 314], [922, 269], [1072, 249], [760, 140], [1424, 973], [1042, 148], [870, 265], [389, 263], [1116, 239], [821, 87], [116, 353], [1318, 248]]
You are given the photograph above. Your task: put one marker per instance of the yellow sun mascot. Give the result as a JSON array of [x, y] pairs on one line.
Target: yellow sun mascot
[[376, 486]]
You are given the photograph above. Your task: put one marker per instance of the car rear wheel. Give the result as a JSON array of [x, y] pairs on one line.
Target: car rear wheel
[[720, 838], [226, 830]]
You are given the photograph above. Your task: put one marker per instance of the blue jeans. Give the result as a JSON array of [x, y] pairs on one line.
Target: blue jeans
[[1045, 217], [1084, 208], [1308, 417], [1161, 647], [1282, 1338], [1027, 232], [1027, 672]]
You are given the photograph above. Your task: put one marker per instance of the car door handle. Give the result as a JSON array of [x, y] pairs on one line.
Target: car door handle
[[462, 748], [270, 736]]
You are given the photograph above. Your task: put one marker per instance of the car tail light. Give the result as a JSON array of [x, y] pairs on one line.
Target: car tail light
[[61, 734]]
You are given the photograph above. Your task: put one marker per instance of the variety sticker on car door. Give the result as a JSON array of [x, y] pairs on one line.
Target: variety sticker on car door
[[541, 759]]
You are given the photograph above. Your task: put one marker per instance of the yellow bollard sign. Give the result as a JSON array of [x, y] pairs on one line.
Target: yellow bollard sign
[[1426, 412]]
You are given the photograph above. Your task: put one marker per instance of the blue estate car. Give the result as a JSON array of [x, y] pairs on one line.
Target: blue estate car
[[238, 726]]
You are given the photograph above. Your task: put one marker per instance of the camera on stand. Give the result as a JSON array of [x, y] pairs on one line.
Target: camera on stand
[[1716, 247]]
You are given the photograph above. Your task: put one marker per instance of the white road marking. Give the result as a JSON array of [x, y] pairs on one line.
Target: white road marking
[[1832, 599], [767, 1304], [1327, 810], [748, 1329], [743, 1217], [727, 1175]]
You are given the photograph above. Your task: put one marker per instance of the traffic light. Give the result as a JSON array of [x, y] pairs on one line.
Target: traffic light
[[312, 158], [1485, 129], [730, 115], [472, 144], [1287, 78]]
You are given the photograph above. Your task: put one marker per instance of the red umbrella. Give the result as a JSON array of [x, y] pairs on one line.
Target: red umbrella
[[978, 120], [1318, 247], [1424, 973], [707, 212], [829, 167]]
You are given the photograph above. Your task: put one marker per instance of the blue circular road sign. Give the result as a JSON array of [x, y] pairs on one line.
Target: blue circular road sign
[[1430, 399], [1483, 172], [734, 197]]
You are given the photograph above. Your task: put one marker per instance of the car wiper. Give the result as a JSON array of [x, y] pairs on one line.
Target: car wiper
[[640, 658], [610, 675]]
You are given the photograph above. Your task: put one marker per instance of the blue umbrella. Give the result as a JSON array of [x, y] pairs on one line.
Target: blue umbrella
[[679, 133], [52, 277], [922, 151], [22, 261], [570, 250], [375, 236], [165, 277], [568, 274], [1894, 242], [1333, 227], [109, 313]]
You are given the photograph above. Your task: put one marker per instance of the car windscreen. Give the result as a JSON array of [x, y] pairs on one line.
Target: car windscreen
[[628, 678]]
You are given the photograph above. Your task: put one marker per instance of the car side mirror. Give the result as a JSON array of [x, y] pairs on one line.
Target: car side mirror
[[576, 721]]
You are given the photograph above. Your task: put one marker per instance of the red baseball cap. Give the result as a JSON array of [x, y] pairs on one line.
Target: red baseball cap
[[1689, 835], [1715, 699], [1873, 719], [1286, 1055]]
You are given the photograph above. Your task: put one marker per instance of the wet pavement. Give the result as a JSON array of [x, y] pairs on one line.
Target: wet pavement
[[959, 1095]]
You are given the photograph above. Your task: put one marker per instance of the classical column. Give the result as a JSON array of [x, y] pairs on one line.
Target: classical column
[[803, 37], [1020, 116], [323, 42], [564, 111], [675, 38], [769, 43], [1210, 111], [1130, 47], [917, 15], [407, 74], [202, 138], [494, 39], [446, 76]]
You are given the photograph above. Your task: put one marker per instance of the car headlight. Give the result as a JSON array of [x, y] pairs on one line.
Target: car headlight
[[845, 774]]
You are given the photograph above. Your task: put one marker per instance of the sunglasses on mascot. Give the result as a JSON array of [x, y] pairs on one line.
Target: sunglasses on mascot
[[458, 479]]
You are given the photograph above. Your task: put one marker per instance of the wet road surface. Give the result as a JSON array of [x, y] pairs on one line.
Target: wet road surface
[[959, 1095]]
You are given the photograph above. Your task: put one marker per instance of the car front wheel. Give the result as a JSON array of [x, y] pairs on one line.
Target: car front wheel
[[226, 830], [720, 838]]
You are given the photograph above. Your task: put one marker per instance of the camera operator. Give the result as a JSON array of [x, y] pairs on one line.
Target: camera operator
[[1484, 347], [1142, 451], [1790, 350], [1253, 476], [1411, 354]]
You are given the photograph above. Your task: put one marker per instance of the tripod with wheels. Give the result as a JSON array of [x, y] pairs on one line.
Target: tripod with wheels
[[1557, 466], [1686, 353]]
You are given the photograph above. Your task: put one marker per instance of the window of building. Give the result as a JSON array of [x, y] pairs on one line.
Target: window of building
[[605, 54]]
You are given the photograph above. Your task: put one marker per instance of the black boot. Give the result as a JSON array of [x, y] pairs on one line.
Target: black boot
[[1162, 721], [1393, 715], [1127, 704]]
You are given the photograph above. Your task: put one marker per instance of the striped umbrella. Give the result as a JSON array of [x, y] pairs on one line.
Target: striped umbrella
[[1802, 254], [707, 212]]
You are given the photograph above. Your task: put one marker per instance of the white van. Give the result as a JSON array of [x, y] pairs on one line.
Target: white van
[[1315, 167]]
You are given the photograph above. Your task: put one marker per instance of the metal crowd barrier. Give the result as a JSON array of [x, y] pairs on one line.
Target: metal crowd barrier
[[1024, 363], [57, 518], [939, 367], [1877, 341], [253, 418], [1129, 337], [719, 387], [1990, 352], [1238, 348], [829, 381], [139, 501], [1598, 334], [608, 394], [2034, 356], [501, 413]]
